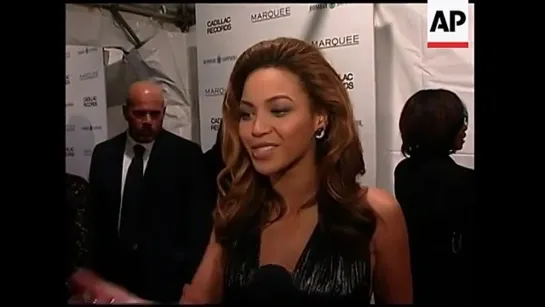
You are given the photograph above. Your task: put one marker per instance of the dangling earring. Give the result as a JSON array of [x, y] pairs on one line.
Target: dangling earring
[[320, 133]]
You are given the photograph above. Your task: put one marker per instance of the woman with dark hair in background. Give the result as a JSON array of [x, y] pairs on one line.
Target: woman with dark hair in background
[[436, 195], [78, 221], [76, 225]]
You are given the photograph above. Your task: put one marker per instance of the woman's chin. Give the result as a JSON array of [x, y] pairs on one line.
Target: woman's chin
[[265, 168]]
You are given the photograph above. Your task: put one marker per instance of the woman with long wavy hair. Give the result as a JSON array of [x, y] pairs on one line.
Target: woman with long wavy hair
[[288, 193]]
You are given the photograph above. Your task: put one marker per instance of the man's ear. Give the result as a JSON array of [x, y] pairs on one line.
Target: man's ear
[[125, 111], [126, 108]]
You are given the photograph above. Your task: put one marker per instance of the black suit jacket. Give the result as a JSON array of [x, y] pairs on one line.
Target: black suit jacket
[[176, 221], [214, 162], [437, 197]]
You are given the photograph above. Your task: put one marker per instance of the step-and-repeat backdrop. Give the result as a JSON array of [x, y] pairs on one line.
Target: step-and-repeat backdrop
[[85, 106], [344, 32]]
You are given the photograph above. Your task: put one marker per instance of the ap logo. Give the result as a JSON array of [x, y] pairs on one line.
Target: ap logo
[[448, 24]]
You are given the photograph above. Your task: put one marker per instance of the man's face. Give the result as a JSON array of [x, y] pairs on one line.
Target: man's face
[[145, 118]]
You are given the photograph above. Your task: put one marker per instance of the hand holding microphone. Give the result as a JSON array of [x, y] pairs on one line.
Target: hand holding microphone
[[92, 289]]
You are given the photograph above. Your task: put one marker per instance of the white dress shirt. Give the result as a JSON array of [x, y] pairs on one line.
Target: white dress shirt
[[127, 159]]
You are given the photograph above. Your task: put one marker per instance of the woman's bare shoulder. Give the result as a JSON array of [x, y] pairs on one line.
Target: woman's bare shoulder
[[383, 203], [390, 244], [380, 201]]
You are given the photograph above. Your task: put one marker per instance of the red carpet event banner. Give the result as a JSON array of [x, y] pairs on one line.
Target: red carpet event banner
[[85, 106], [344, 32]]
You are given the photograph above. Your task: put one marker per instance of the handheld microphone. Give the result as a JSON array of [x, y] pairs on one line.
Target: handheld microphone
[[272, 285]]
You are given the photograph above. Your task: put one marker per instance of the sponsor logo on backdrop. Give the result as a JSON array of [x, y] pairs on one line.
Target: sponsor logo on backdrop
[[359, 123], [218, 25], [90, 101], [69, 104], [220, 59], [323, 6], [271, 14], [70, 127], [87, 50], [215, 123], [337, 41], [70, 152], [68, 54], [89, 75], [67, 79], [213, 92], [348, 80], [91, 128], [88, 152]]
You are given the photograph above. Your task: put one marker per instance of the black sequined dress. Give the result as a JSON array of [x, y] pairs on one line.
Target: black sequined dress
[[323, 274], [77, 222]]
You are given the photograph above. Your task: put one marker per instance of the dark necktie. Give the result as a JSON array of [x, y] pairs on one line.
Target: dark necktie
[[132, 200]]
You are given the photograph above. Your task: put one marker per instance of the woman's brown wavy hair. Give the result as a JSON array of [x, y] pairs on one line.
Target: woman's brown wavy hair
[[247, 199]]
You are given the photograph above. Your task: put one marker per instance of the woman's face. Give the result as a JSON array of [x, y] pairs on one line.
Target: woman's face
[[277, 126], [461, 136]]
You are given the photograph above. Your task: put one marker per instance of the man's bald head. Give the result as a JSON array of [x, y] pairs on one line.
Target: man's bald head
[[148, 92], [145, 110]]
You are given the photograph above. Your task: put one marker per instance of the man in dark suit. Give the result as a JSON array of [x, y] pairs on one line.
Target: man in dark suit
[[153, 202]]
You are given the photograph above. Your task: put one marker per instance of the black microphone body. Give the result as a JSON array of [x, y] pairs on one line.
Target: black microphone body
[[272, 285]]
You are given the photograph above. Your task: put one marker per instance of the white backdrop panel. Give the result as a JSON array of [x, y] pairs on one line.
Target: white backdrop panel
[[167, 57], [405, 65], [86, 121], [344, 32]]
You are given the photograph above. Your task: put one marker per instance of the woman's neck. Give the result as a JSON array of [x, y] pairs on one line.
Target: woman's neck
[[297, 185]]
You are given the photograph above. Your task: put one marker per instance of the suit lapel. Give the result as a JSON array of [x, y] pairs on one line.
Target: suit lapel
[[117, 166]]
